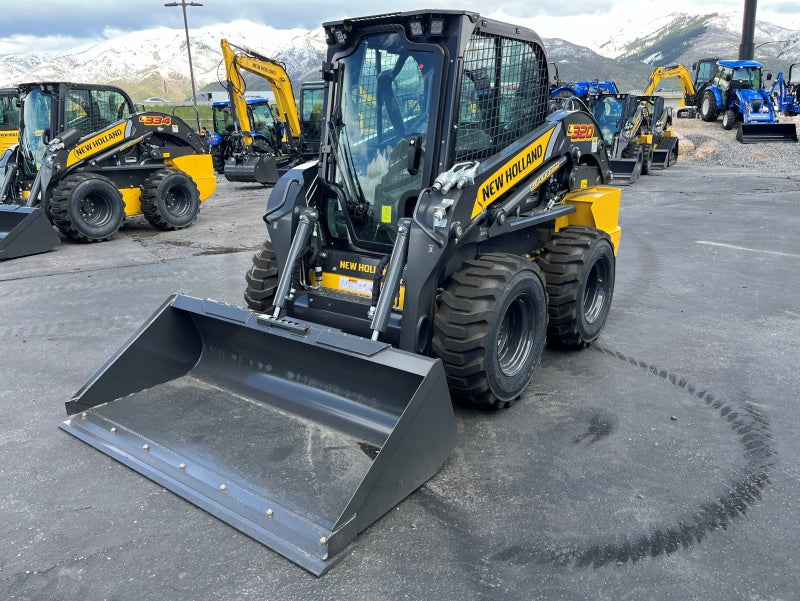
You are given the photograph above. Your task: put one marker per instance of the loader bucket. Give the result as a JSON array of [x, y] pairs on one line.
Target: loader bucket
[[25, 231], [298, 435], [626, 171], [750, 133], [665, 154], [260, 169]]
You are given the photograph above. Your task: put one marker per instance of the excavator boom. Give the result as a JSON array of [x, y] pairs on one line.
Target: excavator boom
[[238, 59]]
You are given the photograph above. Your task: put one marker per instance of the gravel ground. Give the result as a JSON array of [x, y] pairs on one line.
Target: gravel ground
[[708, 144]]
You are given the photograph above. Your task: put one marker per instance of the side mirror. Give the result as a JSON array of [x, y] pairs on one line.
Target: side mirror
[[69, 137], [769, 75]]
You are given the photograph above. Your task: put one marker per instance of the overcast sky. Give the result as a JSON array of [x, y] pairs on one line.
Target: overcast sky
[[29, 25]]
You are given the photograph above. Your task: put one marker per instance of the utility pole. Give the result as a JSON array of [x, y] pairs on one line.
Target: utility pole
[[183, 4], [746, 49]]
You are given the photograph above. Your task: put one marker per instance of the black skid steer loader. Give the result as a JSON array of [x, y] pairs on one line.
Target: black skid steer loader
[[449, 228], [86, 160]]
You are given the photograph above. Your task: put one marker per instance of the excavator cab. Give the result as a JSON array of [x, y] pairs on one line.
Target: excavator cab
[[312, 106]]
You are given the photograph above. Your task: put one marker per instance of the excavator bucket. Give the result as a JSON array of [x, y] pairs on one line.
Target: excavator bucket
[[25, 231], [750, 133], [298, 435]]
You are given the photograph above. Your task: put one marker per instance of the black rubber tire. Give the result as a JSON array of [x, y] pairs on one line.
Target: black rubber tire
[[578, 264], [728, 119], [217, 159], [647, 158], [86, 207], [170, 199], [262, 280], [708, 107], [491, 328]]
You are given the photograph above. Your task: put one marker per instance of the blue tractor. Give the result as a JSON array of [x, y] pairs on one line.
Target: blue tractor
[[560, 90], [786, 94], [736, 92], [582, 89], [223, 140]]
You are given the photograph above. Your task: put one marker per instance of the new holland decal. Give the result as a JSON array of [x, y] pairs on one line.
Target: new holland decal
[[519, 167], [96, 143]]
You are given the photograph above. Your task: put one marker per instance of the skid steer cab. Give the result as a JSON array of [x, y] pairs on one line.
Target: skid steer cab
[[451, 226], [85, 161]]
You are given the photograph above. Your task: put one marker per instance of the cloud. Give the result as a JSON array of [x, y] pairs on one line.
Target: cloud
[[74, 22]]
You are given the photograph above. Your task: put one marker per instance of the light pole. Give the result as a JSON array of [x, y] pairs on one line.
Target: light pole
[[183, 4]]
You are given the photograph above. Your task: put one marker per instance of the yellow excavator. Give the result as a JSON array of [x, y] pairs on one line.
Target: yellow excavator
[[257, 158], [692, 88]]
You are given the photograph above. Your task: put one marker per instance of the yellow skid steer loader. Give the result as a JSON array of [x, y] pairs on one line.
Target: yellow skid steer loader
[[449, 228], [85, 161]]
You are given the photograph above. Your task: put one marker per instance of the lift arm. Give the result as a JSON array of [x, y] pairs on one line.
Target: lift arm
[[239, 59]]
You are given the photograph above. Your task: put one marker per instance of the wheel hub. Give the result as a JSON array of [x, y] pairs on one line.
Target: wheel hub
[[594, 296], [515, 338], [94, 209]]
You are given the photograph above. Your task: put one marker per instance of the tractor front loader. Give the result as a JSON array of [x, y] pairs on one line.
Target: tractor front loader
[[85, 161], [450, 227]]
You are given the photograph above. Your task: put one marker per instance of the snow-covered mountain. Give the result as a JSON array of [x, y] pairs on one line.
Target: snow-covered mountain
[[154, 62], [684, 38]]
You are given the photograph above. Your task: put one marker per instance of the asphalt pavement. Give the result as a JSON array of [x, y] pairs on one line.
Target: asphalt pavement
[[659, 464]]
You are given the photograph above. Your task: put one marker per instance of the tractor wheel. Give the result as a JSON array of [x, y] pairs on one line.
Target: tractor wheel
[[262, 280], [170, 199], [217, 159], [708, 107], [491, 328], [728, 119], [86, 207], [578, 265]]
